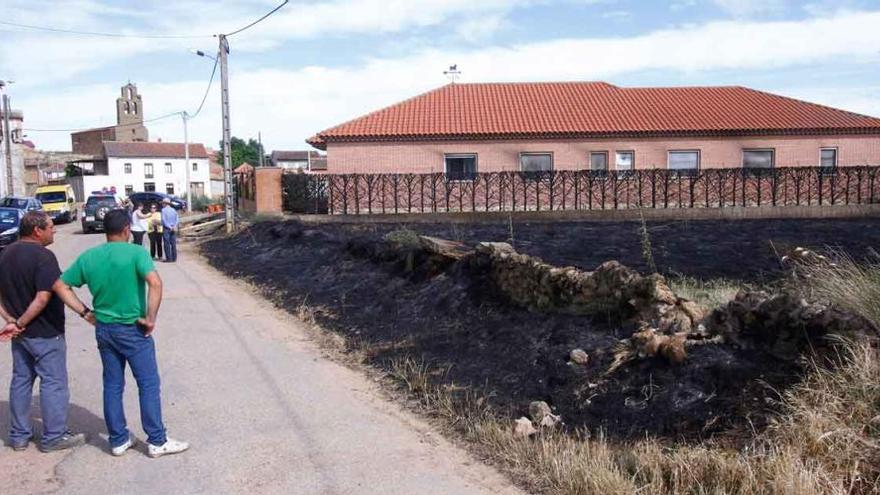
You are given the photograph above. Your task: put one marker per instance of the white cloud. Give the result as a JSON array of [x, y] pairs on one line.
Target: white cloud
[[290, 105], [750, 7]]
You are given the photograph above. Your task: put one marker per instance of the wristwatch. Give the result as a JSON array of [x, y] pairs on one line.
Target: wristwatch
[[85, 312]]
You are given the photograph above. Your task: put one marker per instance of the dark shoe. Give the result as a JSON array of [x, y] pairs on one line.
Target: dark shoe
[[68, 441], [19, 446]]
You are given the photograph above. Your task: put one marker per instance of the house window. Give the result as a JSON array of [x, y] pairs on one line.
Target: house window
[[148, 171], [684, 162], [599, 163], [624, 160], [757, 161], [197, 189], [536, 162], [129, 190], [169, 188], [127, 168], [828, 161], [195, 167], [149, 187], [168, 169], [461, 167]]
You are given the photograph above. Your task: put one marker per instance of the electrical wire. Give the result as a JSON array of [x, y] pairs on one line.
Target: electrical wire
[[210, 82], [80, 129], [109, 35], [276, 9], [136, 35]]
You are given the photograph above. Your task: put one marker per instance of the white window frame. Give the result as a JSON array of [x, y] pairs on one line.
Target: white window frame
[[632, 163], [152, 173], [836, 151], [699, 159], [536, 153], [461, 155], [126, 168], [772, 159], [169, 168]]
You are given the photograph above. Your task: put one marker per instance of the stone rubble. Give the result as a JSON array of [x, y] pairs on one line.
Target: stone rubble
[[579, 357], [523, 428]]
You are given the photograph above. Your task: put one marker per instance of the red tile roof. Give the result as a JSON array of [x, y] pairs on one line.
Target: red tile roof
[[244, 168], [216, 171], [593, 109], [118, 149]]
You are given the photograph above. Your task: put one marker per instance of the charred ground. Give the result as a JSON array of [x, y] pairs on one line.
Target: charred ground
[[397, 303]]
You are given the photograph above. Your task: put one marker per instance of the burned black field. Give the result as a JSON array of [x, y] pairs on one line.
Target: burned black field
[[395, 304]]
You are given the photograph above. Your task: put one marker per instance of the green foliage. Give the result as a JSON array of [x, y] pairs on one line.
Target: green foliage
[[242, 151], [72, 170]]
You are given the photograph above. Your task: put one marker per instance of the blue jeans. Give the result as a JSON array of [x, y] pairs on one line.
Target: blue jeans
[[170, 238], [119, 344], [45, 358]]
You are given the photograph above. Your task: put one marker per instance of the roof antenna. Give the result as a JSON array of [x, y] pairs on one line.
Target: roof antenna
[[453, 73]]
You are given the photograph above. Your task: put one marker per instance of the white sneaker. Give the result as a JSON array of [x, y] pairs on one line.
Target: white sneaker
[[171, 446], [118, 451]]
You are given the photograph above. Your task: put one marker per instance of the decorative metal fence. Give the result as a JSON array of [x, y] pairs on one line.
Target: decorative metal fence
[[354, 194]]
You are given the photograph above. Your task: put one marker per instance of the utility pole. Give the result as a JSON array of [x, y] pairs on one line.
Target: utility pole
[[7, 138], [186, 166], [227, 147], [260, 139]]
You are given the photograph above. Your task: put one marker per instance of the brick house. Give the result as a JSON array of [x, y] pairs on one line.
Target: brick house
[[306, 161], [465, 128]]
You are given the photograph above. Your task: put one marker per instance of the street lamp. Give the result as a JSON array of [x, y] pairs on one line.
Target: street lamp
[[202, 54]]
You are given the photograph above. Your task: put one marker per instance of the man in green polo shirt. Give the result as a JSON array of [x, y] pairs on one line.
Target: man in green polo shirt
[[115, 273]]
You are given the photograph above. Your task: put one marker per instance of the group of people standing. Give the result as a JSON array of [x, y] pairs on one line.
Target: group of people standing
[[126, 292], [160, 227]]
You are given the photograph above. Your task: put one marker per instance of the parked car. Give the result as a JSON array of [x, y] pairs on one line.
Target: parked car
[[96, 208], [59, 202], [22, 203], [10, 218], [153, 197]]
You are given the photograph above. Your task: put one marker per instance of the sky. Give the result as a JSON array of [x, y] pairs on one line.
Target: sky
[[316, 64]]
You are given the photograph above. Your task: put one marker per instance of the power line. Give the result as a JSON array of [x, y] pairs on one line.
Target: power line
[[136, 35], [211, 81], [97, 33], [276, 9], [154, 119]]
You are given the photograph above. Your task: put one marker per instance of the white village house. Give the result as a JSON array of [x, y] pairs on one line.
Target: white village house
[[145, 166]]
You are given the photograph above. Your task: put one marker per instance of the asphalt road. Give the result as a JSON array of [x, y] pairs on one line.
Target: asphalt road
[[264, 411]]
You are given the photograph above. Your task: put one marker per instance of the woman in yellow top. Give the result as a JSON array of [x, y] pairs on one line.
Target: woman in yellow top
[[154, 231]]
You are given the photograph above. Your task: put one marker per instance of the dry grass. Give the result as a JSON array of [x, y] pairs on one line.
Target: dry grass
[[847, 283], [826, 439]]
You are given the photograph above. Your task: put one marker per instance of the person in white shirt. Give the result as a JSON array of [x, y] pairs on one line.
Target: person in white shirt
[[139, 220]]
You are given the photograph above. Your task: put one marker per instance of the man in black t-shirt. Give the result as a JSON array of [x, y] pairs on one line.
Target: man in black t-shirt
[[35, 323]]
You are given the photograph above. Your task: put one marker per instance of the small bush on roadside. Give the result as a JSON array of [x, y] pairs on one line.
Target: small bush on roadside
[[200, 203]]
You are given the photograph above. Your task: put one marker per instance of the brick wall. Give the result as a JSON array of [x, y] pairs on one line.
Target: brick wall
[[91, 142], [423, 157], [267, 192]]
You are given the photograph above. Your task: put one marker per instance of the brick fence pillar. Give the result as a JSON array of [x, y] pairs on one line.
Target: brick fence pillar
[[268, 190]]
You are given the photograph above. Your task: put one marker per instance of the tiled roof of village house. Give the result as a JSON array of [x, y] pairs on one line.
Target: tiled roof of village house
[[593, 109], [118, 149]]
